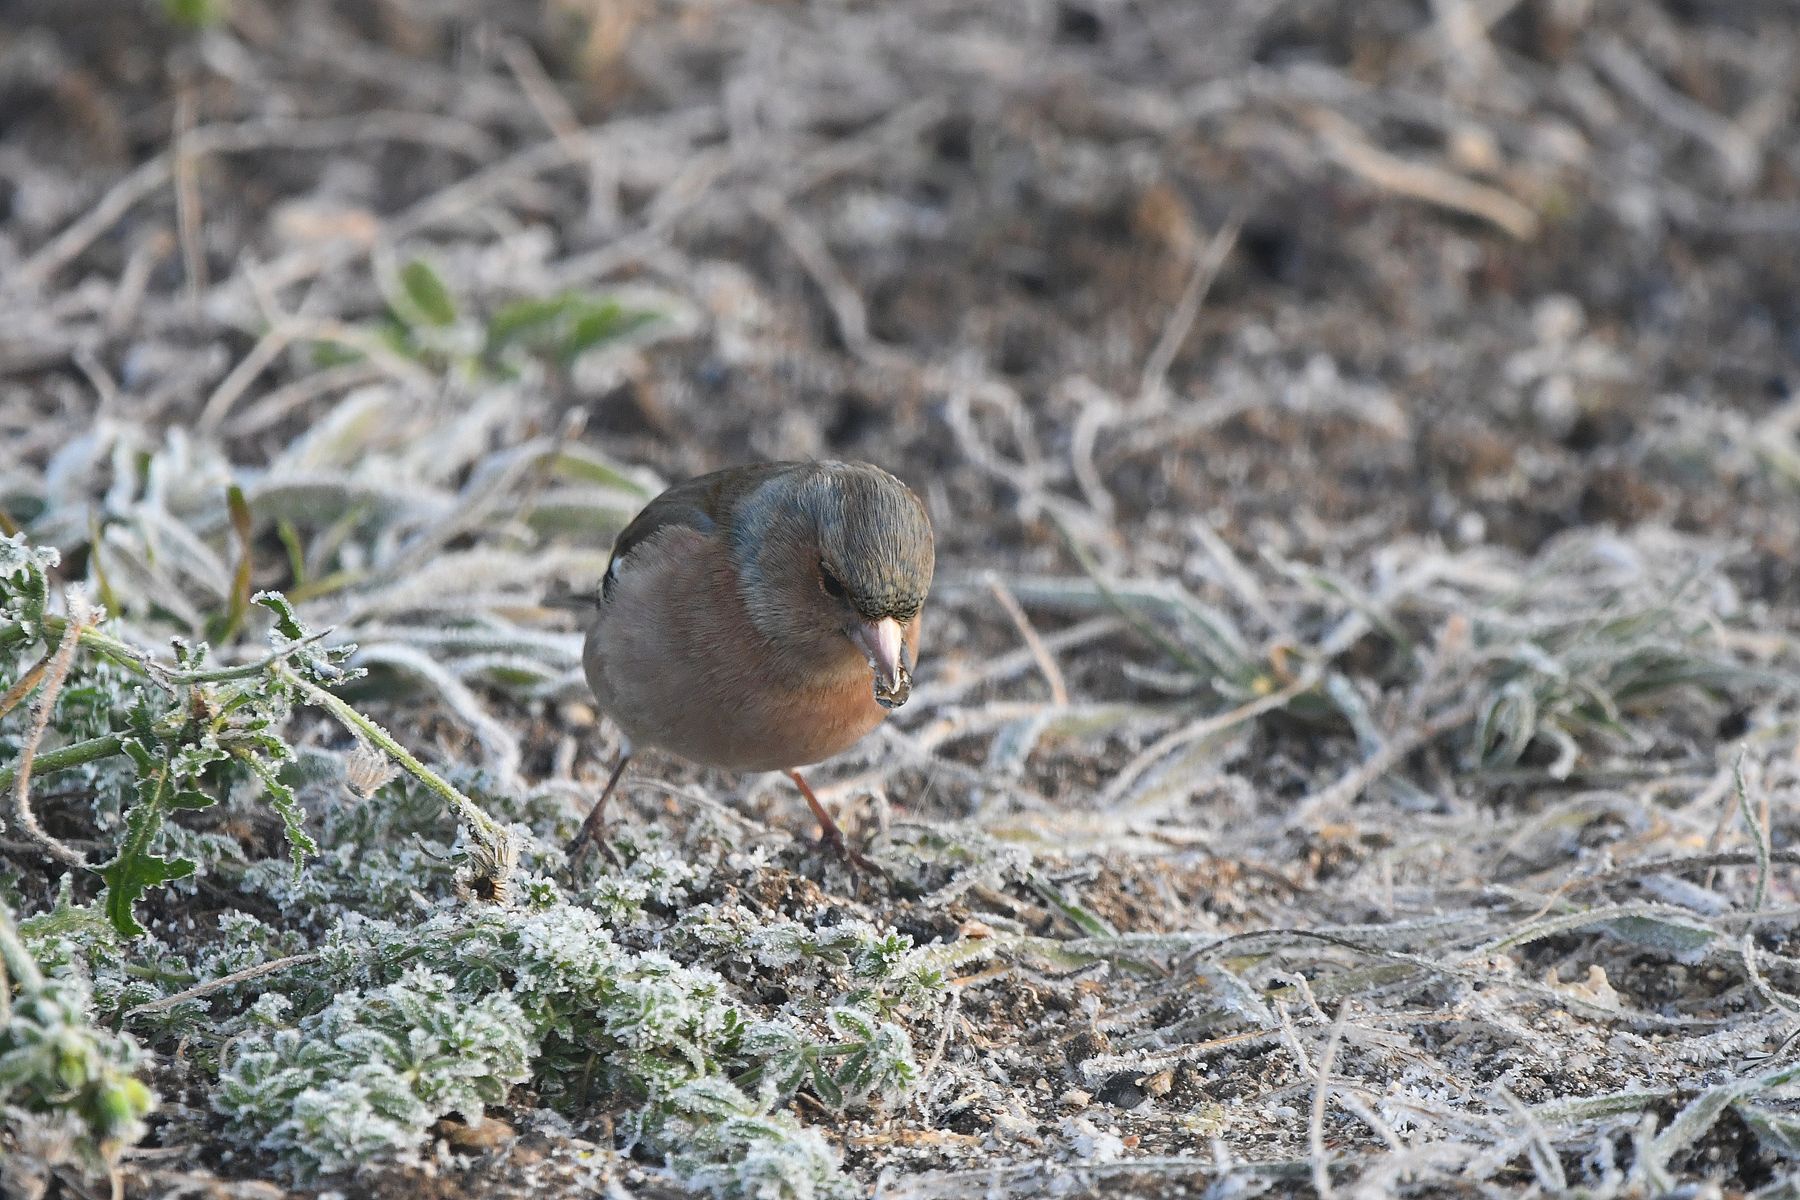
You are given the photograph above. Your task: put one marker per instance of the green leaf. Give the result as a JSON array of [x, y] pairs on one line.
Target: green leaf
[[515, 321], [1696, 1117], [282, 800], [1506, 726], [24, 581], [564, 326], [135, 869], [601, 323], [1088, 922], [196, 14], [397, 336], [826, 1087], [162, 788], [850, 1023], [326, 355], [190, 762], [426, 293], [127, 879], [190, 799], [285, 621], [296, 553], [586, 465], [243, 528]]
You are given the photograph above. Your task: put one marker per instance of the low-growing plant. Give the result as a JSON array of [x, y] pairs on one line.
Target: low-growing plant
[[412, 1023], [370, 1072], [414, 973], [181, 734], [426, 323], [64, 1080]]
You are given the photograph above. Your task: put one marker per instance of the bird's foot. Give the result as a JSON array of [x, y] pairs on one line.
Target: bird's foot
[[578, 846], [831, 840], [593, 829]]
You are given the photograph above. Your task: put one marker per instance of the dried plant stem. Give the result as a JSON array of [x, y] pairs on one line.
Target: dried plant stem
[[1738, 152], [1205, 727], [1059, 689], [1382, 761], [279, 402], [931, 696], [1777, 1000], [1671, 866], [1155, 376], [54, 674], [267, 349], [1315, 1126], [947, 1022], [188, 212], [27, 681], [1131, 617], [286, 332], [334, 132], [549, 104], [1350, 148], [848, 310], [1759, 835], [223, 981]]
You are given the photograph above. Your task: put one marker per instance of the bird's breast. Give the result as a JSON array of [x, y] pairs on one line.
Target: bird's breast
[[676, 663]]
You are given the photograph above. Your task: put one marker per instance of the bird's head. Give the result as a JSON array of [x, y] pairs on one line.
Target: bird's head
[[837, 560]]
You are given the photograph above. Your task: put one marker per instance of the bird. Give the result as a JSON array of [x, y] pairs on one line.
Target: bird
[[763, 617]]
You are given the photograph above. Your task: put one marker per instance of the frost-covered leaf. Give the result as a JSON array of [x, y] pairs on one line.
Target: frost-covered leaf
[[368, 1075], [1682, 940], [135, 868], [56, 1060], [1776, 1129], [282, 800]]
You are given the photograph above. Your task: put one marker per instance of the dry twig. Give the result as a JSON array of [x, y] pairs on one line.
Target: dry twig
[[1350, 148], [79, 618]]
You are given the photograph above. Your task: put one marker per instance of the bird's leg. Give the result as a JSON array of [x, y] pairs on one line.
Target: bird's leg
[[596, 818], [830, 836]]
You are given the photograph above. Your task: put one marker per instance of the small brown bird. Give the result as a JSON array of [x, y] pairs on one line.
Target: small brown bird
[[761, 618]]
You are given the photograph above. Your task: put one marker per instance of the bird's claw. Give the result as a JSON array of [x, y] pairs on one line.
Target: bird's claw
[[858, 863], [577, 848]]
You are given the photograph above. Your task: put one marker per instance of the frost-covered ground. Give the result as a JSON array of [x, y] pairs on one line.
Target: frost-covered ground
[[1356, 745]]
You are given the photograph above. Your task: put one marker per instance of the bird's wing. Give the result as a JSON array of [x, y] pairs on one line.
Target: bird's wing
[[704, 502]]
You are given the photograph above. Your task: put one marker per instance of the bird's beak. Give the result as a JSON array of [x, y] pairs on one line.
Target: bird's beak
[[881, 641]]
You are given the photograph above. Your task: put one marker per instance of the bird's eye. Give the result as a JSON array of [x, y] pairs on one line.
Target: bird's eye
[[833, 586]]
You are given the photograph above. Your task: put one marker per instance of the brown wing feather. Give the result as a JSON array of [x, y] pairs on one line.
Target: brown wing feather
[[703, 503]]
